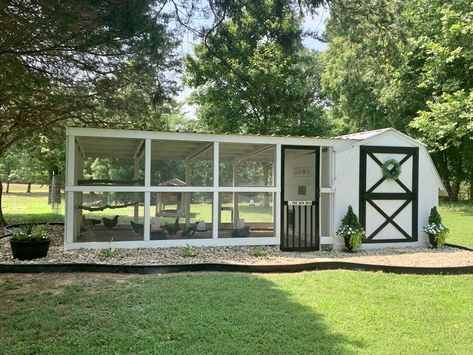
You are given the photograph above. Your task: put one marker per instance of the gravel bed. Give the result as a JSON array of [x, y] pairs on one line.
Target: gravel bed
[[422, 257]]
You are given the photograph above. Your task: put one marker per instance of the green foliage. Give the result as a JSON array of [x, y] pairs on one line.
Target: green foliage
[[260, 250], [434, 216], [351, 229], [88, 63], [189, 252], [364, 67], [32, 232], [406, 64], [391, 169], [436, 228], [109, 253], [252, 74]]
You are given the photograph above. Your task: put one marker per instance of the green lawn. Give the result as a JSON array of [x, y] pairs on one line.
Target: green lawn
[[459, 218], [332, 312]]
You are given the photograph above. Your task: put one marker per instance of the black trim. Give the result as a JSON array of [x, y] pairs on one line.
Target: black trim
[[285, 244], [408, 196], [167, 269]]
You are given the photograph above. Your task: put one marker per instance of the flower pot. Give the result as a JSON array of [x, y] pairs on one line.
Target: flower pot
[[433, 241], [347, 244], [29, 249]]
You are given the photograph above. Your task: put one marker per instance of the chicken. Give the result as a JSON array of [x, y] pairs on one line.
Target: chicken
[[110, 223], [89, 223], [137, 227], [190, 231], [173, 229]]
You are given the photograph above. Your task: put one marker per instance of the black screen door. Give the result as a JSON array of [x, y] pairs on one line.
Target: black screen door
[[300, 198]]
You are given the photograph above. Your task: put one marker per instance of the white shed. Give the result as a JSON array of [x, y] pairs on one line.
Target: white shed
[[243, 189]]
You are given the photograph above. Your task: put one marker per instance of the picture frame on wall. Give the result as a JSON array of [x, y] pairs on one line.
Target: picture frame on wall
[[303, 171]]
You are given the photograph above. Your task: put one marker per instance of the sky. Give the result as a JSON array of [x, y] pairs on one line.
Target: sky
[[314, 23]]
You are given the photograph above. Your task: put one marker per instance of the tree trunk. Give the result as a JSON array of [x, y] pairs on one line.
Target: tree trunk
[[8, 187], [50, 179], [455, 190], [28, 190], [471, 187], [3, 223]]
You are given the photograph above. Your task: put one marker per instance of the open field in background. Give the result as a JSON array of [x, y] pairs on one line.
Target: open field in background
[[459, 218], [23, 188], [334, 312], [20, 207]]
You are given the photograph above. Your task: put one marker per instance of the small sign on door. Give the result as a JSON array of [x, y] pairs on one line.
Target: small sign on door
[[299, 203]]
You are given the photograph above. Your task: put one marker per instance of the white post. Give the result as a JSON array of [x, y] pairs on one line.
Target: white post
[[147, 220], [277, 202], [187, 195], [216, 206], [70, 173], [136, 166], [236, 214]]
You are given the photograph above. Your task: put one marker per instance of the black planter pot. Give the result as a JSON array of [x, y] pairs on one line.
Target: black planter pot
[[29, 249], [347, 244], [433, 241]]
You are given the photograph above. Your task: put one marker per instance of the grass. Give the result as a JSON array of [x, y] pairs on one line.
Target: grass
[[459, 218], [332, 312]]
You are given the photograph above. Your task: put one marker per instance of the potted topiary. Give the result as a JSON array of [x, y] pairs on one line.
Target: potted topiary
[[436, 231], [31, 241], [351, 231]]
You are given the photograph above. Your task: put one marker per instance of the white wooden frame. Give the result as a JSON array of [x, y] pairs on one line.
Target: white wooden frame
[[71, 187]]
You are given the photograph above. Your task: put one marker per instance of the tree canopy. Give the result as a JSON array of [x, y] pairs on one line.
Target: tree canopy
[[408, 65], [253, 75], [84, 62]]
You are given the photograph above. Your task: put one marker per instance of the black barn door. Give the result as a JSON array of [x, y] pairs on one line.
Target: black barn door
[[388, 207], [300, 198]]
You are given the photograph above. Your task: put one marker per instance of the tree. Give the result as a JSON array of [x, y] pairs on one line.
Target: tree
[[252, 74], [77, 62], [442, 49], [405, 65], [366, 76], [84, 62]]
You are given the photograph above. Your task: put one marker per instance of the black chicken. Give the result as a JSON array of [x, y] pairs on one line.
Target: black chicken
[[190, 231], [137, 227], [89, 223], [110, 223], [173, 229]]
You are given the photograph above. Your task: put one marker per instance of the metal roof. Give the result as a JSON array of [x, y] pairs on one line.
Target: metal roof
[[361, 136]]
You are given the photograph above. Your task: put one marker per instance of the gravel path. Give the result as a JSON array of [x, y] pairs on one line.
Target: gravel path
[[422, 257]]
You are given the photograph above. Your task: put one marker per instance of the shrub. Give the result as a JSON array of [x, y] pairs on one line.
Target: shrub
[[32, 231], [189, 252], [260, 251], [435, 228], [351, 230]]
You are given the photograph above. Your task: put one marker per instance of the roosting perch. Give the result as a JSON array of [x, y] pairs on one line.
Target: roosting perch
[[104, 207]]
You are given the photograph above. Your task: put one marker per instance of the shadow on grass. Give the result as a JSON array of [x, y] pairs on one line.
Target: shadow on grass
[[199, 314]]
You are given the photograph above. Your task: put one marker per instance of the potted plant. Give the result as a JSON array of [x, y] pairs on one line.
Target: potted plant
[[436, 231], [351, 231], [31, 241]]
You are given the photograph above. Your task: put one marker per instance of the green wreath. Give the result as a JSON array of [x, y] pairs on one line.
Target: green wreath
[[391, 169]]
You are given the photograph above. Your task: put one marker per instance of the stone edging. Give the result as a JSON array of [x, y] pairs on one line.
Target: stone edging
[[206, 267]]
